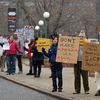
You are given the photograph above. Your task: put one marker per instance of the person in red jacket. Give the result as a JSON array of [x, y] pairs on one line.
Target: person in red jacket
[[11, 55], [29, 55]]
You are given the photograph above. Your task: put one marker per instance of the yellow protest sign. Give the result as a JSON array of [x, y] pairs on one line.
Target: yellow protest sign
[[91, 57], [67, 49], [43, 43]]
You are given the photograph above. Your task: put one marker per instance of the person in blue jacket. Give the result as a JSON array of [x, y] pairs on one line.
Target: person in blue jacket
[[56, 67]]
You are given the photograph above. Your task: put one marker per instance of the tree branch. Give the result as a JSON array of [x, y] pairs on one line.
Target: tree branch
[[60, 12]]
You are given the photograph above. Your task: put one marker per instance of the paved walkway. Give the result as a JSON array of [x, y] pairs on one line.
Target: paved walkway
[[44, 84]]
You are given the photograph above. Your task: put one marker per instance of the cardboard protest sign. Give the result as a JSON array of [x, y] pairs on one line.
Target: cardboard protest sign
[[1, 39], [91, 57], [67, 49], [43, 43]]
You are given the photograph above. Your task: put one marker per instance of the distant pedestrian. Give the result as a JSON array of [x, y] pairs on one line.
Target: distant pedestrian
[[6, 56], [37, 59], [11, 56], [29, 55], [19, 55], [56, 67], [19, 59]]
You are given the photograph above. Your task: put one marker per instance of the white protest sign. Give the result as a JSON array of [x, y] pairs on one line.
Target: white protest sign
[[6, 46], [1, 39], [1, 51]]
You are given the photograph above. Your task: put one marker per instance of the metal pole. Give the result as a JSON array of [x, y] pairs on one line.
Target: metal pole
[[41, 31], [46, 28]]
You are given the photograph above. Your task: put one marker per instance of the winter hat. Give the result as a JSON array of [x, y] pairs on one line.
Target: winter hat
[[82, 33]]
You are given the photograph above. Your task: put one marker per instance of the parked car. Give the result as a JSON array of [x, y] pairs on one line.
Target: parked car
[[93, 40]]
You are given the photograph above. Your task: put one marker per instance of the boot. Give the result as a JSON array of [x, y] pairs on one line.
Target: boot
[[30, 73], [97, 93]]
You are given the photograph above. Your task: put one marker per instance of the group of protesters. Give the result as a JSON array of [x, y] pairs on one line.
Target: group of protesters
[[36, 59], [10, 54]]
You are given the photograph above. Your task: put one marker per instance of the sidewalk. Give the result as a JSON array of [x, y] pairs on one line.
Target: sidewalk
[[44, 84]]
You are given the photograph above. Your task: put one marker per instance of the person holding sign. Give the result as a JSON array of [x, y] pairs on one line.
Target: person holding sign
[[78, 68], [56, 67]]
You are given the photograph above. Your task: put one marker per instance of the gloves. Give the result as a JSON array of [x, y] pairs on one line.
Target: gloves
[[24, 47], [21, 53], [43, 49]]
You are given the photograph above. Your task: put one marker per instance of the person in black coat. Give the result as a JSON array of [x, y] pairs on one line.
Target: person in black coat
[[37, 60]]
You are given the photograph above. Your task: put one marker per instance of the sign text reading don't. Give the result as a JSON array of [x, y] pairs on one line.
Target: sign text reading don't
[[67, 49]]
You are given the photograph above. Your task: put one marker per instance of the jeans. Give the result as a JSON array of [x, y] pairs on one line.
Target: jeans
[[6, 61], [31, 66], [56, 69], [19, 58], [11, 63], [51, 70]]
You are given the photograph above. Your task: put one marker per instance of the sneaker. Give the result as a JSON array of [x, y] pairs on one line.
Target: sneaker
[[59, 90], [6, 71], [32, 73], [13, 74], [97, 93], [87, 92], [76, 93], [8, 74], [20, 72], [29, 74], [2, 70], [54, 90], [38, 76], [35, 76], [50, 76]]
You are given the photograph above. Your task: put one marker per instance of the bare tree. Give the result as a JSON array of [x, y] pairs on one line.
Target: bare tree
[[35, 12], [3, 20], [27, 16], [87, 23]]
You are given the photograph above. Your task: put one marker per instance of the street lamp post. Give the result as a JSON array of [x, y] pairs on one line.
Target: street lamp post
[[37, 28], [41, 23], [46, 15]]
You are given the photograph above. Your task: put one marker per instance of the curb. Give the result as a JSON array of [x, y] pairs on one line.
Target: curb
[[55, 95]]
